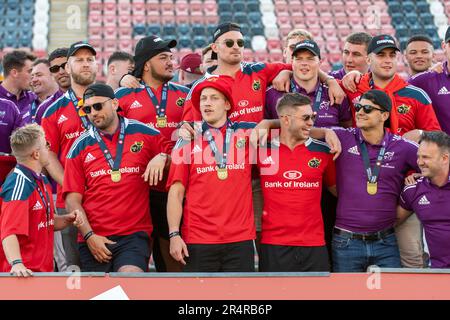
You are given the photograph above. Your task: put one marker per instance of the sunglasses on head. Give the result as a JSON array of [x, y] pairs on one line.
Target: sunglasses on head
[[366, 108], [55, 68], [230, 43], [96, 106]]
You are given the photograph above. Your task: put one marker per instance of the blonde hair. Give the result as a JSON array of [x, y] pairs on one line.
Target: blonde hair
[[25, 138], [299, 33]]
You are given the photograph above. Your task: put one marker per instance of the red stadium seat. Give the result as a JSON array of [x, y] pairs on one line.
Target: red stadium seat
[[212, 19], [125, 20], [110, 33], [95, 7], [95, 20], [283, 20], [126, 45], [333, 46], [153, 18], [110, 21], [139, 19], [138, 8], [298, 22], [196, 6], [96, 43], [153, 7], [329, 33], [341, 20], [334, 57], [312, 21], [309, 9], [109, 8], [125, 33], [248, 55], [343, 31], [261, 56], [110, 46], [273, 43], [167, 6], [326, 20], [124, 8], [95, 33], [182, 19], [276, 56], [210, 6], [181, 7], [197, 19]]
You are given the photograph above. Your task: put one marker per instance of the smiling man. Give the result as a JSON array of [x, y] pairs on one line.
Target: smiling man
[[364, 234], [158, 102], [104, 179], [293, 237], [63, 124], [419, 54]]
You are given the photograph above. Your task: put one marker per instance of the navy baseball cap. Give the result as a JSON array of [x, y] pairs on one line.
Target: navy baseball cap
[[309, 45], [382, 42], [80, 45], [222, 29]]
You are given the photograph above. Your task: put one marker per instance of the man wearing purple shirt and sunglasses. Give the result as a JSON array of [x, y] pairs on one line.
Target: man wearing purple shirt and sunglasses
[[369, 173], [430, 197]]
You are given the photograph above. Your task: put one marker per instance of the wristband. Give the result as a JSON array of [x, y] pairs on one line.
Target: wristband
[[174, 234], [14, 262], [88, 235]]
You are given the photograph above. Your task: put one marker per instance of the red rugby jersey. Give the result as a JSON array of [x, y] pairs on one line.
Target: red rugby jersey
[[215, 211], [23, 213], [291, 181], [62, 125], [249, 91], [114, 208]]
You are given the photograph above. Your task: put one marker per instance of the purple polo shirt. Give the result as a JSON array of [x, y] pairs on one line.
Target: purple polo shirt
[[338, 74], [10, 119], [437, 86], [45, 104], [358, 211], [432, 206], [327, 115], [23, 103]]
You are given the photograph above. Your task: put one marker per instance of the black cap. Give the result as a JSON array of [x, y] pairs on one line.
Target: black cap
[[147, 48], [309, 45], [378, 97], [98, 90], [79, 45], [220, 30], [447, 35], [381, 42]]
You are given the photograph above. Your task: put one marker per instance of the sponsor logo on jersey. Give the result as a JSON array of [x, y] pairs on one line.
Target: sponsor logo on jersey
[[137, 146], [314, 163]]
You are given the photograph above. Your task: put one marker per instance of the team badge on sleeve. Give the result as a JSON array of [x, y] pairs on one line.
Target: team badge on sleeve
[[137, 146], [403, 109], [256, 85], [180, 102], [314, 163]]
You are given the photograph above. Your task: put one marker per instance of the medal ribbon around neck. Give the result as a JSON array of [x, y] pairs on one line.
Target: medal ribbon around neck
[[221, 159]]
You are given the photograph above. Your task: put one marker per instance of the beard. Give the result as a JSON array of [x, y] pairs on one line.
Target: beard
[[78, 78], [160, 77]]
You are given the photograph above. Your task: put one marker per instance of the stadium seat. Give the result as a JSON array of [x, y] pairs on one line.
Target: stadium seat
[[136, 19], [184, 42], [240, 17], [408, 6], [126, 45], [239, 6], [138, 8], [153, 29], [109, 20], [276, 56], [198, 30], [124, 20], [110, 33], [125, 33], [183, 29], [95, 20]]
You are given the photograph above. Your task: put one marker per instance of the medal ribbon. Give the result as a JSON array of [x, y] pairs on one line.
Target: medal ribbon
[[74, 99], [372, 173], [318, 99], [221, 159], [160, 108], [113, 164]]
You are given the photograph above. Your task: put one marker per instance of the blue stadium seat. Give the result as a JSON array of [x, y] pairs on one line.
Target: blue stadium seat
[[184, 29], [210, 29], [239, 6], [426, 18], [27, 13], [430, 30], [224, 7], [247, 42], [252, 6], [394, 7], [28, 4], [411, 18], [10, 40], [139, 29], [254, 17], [26, 24], [245, 29], [154, 28], [200, 41], [198, 30], [184, 42], [25, 39], [403, 41], [226, 17], [257, 30], [240, 17], [402, 30], [422, 6], [436, 42], [408, 6], [397, 18], [169, 30], [416, 29]]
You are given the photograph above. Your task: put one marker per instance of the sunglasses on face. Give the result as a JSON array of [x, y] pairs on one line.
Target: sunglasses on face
[[55, 68], [305, 118], [230, 43], [366, 108], [96, 106]]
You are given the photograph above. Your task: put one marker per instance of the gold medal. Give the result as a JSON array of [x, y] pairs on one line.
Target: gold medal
[[161, 122], [115, 176], [372, 188], [222, 173]]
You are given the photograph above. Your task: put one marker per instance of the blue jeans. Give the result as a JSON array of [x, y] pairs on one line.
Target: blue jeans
[[353, 255]]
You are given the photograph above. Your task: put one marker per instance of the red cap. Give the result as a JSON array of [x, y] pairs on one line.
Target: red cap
[[191, 63], [221, 83]]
